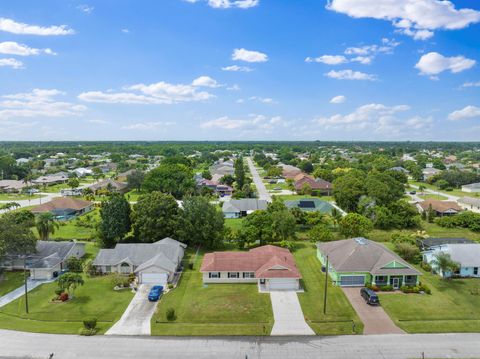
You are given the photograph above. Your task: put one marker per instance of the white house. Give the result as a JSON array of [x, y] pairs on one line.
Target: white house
[[467, 255], [470, 204], [471, 188], [236, 208]]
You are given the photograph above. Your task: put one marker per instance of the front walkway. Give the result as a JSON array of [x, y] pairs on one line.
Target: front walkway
[[374, 318], [288, 315], [137, 316], [17, 293]]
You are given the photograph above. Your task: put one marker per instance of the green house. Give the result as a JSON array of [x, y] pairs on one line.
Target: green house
[[359, 261]]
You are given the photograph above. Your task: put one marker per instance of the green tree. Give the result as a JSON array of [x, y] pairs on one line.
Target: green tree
[[227, 179], [206, 174], [202, 223], [444, 263], [320, 233], [69, 282], [135, 180], [355, 225], [336, 216], [274, 171], [46, 225], [115, 221], [170, 178], [239, 172], [73, 183], [155, 216], [348, 188], [383, 188], [74, 264]]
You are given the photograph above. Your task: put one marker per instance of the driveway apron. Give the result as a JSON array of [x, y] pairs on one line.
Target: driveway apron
[[288, 315]]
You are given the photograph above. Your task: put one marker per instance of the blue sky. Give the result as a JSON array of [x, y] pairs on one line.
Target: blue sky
[[240, 70]]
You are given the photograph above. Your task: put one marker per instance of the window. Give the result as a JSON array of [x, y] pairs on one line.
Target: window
[[233, 275], [248, 275], [381, 279], [214, 275], [108, 269], [475, 270]]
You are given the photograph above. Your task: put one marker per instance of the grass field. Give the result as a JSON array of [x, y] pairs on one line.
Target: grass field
[[11, 281], [216, 309], [13, 197], [70, 229], [96, 298], [450, 308], [133, 195], [433, 196], [234, 223], [340, 313]]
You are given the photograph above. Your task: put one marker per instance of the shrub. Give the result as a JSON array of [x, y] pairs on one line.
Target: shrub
[[87, 332], [426, 267], [58, 291], [373, 287], [74, 264], [171, 316], [386, 288], [424, 288], [63, 297], [169, 285], [287, 244], [90, 323], [407, 251], [190, 265], [119, 280]]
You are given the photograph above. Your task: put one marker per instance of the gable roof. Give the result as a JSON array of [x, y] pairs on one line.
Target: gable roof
[[472, 185], [266, 261], [244, 205], [431, 242], [440, 206], [314, 183], [119, 186], [62, 203], [50, 253], [469, 201], [467, 255], [363, 255]]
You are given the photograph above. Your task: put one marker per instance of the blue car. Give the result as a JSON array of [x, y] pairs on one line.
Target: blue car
[[155, 293]]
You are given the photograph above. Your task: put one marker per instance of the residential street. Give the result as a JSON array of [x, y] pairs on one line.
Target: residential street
[[261, 189], [444, 194], [31, 345], [46, 197]]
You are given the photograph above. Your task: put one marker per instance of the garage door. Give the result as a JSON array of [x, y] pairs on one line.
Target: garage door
[[352, 280], [283, 284], [154, 278]]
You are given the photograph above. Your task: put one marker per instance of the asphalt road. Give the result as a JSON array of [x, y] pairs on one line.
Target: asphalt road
[[30, 345], [261, 189], [34, 202]]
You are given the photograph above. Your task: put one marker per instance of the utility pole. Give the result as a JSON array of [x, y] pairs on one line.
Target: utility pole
[[326, 287], [25, 281]]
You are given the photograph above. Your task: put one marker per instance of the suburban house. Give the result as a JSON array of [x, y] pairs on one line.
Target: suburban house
[[12, 186], [400, 169], [222, 168], [82, 172], [64, 207], [48, 260], [429, 172], [471, 188], [152, 263], [441, 208], [470, 204], [310, 205], [110, 185], [48, 180], [357, 262], [289, 172], [71, 192], [428, 243], [122, 177], [237, 208], [273, 268], [217, 188], [315, 185], [467, 255]]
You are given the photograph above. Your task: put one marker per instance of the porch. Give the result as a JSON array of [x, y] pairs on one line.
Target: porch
[[396, 281]]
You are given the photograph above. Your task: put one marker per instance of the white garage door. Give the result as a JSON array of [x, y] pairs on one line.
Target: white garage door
[[352, 280], [283, 284], [154, 278]]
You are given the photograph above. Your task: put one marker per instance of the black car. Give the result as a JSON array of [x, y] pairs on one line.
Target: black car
[[370, 296], [413, 192]]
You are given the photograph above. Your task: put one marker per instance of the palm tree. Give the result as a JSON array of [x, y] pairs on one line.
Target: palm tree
[[444, 263], [46, 225], [336, 216]]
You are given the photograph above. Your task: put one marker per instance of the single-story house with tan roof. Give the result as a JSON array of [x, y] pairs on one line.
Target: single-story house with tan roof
[[273, 268], [441, 208], [470, 204], [12, 186], [357, 262], [111, 185], [64, 207], [316, 185]]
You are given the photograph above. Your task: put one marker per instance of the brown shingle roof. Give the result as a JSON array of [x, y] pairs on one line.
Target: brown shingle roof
[[62, 203], [312, 182], [266, 261], [439, 206]]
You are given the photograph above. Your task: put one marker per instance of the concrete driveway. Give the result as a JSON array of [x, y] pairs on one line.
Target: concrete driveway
[[17, 293], [374, 318], [137, 316], [288, 315]]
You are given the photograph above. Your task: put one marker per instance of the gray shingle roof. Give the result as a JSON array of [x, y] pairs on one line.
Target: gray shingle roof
[[141, 254], [468, 255], [49, 253], [244, 205], [431, 242], [469, 201], [363, 255]]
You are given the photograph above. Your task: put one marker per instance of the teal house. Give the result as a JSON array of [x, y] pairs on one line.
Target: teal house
[[359, 261]]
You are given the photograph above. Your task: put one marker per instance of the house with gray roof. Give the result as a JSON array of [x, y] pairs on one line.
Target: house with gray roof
[[49, 259], [466, 255], [431, 242], [152, 263], [237, 208], [471, 188], [357, 262], [470, 204]]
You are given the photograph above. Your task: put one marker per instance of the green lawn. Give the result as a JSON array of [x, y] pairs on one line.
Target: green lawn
[[11, 281], [234, 223], [133, 195], [216, 309], [340, 313], [450, 308], [12, 197], [71, 230], [433, 196], [96, 298], [271, 186]]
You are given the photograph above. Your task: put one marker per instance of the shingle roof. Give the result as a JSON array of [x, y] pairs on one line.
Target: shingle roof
[[470, 201], [472, 185], [439, 206], [266, 261], [468, 255], [363, 255], [119, 186], [431, 242], [244, 205], [49, 253], [62, 203]]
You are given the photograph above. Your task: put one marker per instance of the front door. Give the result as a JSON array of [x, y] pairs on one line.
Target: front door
[[396, 283]]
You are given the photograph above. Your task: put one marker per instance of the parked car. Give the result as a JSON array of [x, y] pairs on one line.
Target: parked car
[[370, 296], [413, 192], [155, 293]]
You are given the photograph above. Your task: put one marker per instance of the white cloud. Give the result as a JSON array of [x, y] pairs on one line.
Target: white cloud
[[14, 48], [9, 62], [234, 88], [38, 103], [156, 93], [434, 63], [227, 4], [250, 123], [148, 126], [328, 59], [9, 25], [471, 84], [416, 18], [249, 56], [465, 113], [85, 8], [350, 75], [338, 99], [205, 81], [98, 122], [237, 68], [125, 31]]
